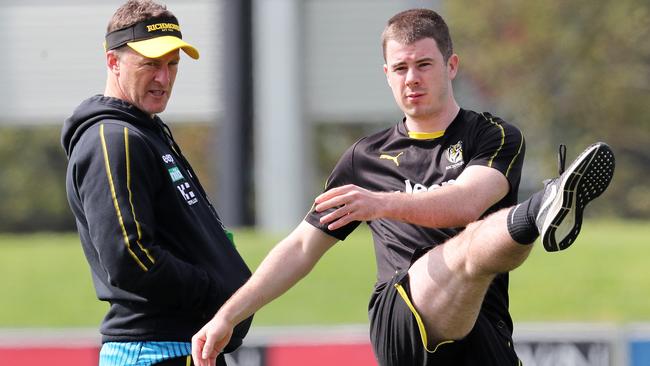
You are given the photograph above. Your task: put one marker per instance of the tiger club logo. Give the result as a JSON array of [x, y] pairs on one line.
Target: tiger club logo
[[455, 155]]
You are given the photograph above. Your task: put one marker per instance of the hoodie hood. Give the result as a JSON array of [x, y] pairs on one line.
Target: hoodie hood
[[100, 108]]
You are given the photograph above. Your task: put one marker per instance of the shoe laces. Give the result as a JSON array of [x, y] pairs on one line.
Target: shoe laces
[[561, 158], [561, 161]]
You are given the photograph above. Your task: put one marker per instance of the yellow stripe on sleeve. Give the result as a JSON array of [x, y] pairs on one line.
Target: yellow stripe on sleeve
[[128, 187], [114, 196], [521, 144], [503, 140], [418, 319]]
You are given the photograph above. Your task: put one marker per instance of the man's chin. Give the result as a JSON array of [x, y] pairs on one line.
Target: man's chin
[[414, 114], [153, 109]]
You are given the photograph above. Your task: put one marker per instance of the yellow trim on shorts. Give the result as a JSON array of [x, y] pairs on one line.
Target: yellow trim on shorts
[[188, 361], [418, 319]]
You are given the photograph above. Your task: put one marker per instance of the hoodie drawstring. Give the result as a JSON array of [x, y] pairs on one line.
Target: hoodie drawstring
[[167, 133]]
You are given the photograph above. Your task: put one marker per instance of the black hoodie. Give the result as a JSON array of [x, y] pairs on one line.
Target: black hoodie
[[157, 249]]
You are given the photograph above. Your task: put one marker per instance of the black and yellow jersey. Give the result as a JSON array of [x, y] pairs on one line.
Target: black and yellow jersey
[[391, 160]]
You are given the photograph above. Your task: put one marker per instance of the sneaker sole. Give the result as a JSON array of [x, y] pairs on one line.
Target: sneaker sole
[[586, 179]]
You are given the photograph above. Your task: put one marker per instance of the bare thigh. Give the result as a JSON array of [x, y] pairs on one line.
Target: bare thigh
[[448, 284]]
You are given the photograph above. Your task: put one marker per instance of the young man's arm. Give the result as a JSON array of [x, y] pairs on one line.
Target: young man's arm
[[453, 205], [289, 261]]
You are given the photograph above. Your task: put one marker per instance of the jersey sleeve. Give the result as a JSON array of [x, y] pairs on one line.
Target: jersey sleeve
[[501, 146], [342, 174], [117, 183]]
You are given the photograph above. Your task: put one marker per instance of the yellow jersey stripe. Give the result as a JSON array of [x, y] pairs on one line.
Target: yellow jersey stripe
[[188, 361], [503, 141], [128, 187], [418, 319], [426, 135], [109, 175], [521, 144]]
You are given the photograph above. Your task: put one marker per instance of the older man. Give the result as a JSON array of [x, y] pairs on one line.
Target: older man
[[158, 251]]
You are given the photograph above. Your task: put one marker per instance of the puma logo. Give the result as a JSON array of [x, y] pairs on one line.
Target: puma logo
[[392, 158]]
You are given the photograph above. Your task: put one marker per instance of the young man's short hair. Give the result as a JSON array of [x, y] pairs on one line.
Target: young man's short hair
[[415, 24]]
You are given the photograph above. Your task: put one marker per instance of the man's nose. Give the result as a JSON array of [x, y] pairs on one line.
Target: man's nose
[[412, 77], [162, 75]]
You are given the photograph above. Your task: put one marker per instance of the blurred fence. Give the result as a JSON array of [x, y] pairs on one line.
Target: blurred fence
[[548, 344]]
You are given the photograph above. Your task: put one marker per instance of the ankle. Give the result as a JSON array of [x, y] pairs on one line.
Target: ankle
[[521, 222]]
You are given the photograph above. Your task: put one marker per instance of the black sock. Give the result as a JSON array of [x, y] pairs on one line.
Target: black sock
[[521, 219]]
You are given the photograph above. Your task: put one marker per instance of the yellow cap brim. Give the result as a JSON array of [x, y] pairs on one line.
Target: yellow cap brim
[[159, 46]]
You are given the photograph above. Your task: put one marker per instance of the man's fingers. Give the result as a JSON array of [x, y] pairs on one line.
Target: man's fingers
[[340, 223], [210, 349], [204, 352], [337, 191], [211, 362], [208, 342], [330, 193], [342, 211], [198, 343], [332, 202], [338, 218]]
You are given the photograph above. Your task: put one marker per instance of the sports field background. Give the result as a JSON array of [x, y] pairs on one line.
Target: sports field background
[[564, 72], [603, 277]]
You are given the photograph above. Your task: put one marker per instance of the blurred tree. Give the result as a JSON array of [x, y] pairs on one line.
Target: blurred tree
[[32, 180], [33, 165], [566, 72]]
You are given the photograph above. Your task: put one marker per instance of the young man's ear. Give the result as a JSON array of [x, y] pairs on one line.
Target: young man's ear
[[386, 73], [452, 65]]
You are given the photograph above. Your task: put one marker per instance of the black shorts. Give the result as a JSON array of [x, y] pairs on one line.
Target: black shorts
[[397, 339]]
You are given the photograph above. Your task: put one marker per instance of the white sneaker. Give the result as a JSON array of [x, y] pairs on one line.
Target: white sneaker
[[565, 197]]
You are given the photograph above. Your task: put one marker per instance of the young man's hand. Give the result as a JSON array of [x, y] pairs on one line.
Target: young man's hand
[[352, 203]]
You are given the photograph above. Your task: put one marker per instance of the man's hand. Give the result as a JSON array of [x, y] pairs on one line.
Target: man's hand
[[352, 203], [208, 342]]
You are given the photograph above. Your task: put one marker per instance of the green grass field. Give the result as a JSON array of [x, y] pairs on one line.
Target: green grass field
[[45, 281]]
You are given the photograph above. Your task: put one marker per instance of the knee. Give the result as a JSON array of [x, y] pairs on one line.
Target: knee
[[485, 256], [470, 262]]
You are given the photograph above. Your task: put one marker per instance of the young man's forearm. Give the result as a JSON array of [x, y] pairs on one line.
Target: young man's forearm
[[288, 262], [454, 205]]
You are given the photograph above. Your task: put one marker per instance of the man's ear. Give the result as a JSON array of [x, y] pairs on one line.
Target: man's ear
[[452, 65], [386, 73], [113, 62]]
